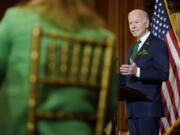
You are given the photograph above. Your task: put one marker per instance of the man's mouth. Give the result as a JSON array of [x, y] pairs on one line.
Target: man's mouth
[[134, 31]]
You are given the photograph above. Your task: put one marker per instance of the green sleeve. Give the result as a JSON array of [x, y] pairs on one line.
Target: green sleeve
[[4, 43]]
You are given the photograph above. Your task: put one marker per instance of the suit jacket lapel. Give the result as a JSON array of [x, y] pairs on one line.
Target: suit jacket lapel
[[146, 43]]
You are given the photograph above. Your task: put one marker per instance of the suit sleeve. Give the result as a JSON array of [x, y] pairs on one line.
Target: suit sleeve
[[159, 71]]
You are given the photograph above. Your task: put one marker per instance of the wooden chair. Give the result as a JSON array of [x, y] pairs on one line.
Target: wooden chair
[[87, 58]]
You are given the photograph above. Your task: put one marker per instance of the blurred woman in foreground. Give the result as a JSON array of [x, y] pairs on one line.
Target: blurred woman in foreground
[[73, 17]]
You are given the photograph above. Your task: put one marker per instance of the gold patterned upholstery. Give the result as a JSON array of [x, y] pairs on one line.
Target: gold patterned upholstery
[[176, 21], [83, 71]]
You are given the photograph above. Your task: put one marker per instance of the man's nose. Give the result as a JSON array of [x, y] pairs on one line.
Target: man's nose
[[133, 26]]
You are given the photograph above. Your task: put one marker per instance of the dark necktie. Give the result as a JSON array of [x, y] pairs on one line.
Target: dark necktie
[[135, 50]]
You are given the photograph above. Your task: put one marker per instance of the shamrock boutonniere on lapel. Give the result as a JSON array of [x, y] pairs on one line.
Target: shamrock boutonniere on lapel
[[143, 52]]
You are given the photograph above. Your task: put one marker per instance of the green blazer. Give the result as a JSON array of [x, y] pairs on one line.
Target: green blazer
[[15, 47]]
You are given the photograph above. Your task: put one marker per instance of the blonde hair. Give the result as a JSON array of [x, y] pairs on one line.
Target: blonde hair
[[67, 14]]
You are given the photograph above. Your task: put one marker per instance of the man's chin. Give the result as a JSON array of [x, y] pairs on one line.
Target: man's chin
[[135, 35]]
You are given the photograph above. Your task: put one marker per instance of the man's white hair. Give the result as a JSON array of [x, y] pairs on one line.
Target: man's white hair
[[146, 16]]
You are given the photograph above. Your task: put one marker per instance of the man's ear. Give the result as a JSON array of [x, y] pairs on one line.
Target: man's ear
[[147, 24]]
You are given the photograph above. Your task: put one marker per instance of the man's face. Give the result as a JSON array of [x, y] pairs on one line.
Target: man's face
[[138, 24]]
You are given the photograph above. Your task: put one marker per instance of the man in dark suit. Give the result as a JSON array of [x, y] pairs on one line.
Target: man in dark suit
[[147, 67]]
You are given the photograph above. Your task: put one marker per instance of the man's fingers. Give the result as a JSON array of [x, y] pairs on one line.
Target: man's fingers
[[125, 66], [126, 69]]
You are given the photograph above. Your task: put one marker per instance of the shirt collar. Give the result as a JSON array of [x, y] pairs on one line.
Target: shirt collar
[[144, 37]]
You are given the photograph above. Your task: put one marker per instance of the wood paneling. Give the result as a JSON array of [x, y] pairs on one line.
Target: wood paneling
[[115, 13]]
